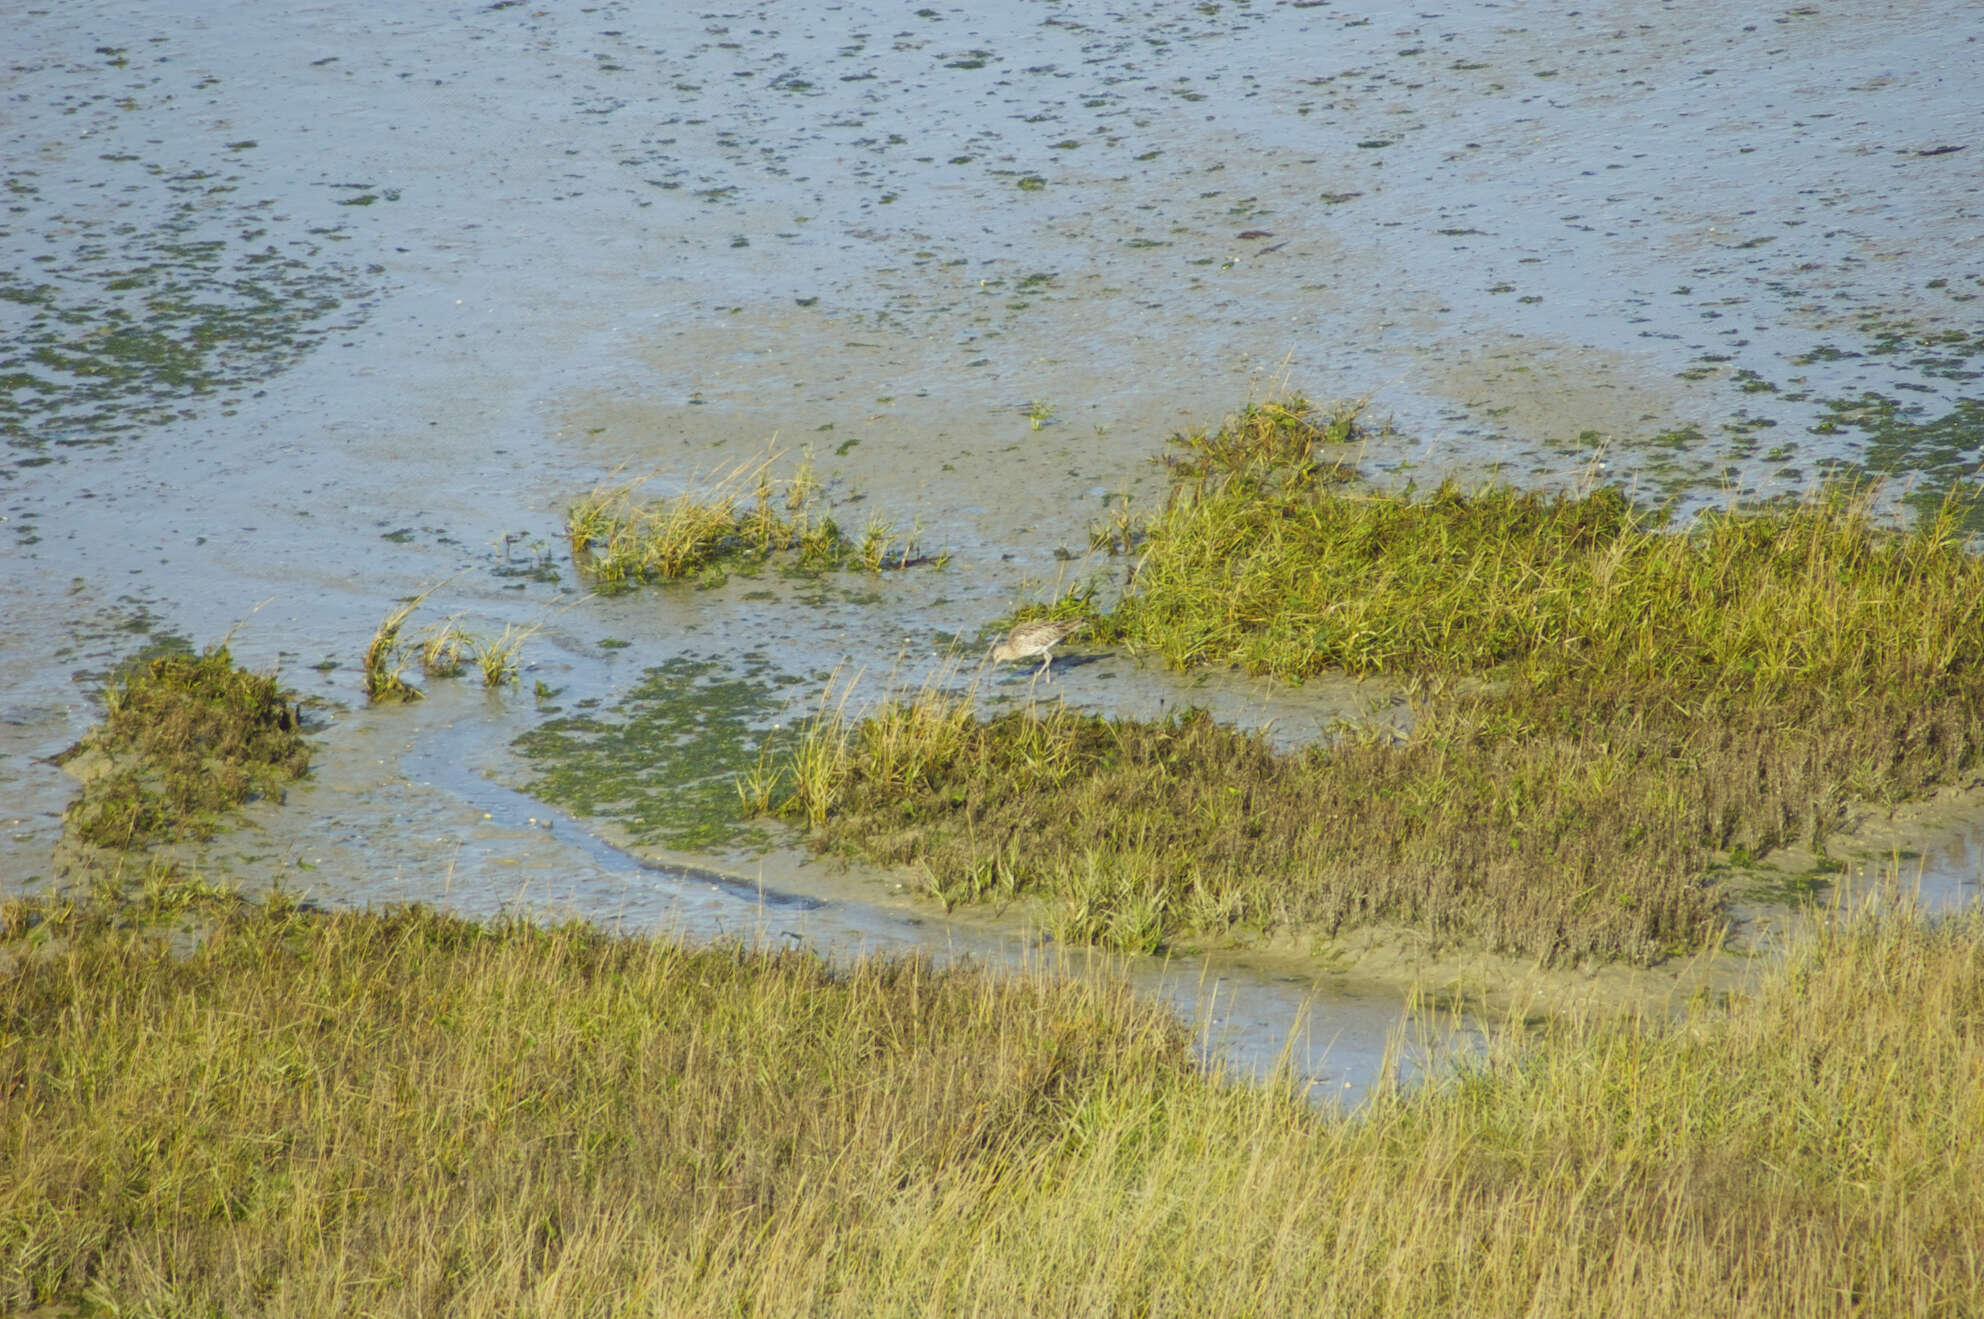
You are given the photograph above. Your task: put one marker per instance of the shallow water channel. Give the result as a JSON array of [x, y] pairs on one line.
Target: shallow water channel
[[303, 311]]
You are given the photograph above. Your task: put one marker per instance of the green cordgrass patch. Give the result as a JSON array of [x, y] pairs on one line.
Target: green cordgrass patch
[[619, 539], [1137, 832], [1606, 708]]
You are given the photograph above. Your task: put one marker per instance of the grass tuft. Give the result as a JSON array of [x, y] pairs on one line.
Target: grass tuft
[[185, 739], [497, 657], [1282, 443], [745, 517], [443, 650], [385, 657]]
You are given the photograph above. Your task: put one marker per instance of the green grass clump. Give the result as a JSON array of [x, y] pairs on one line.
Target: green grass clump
[[405, 1114], [1605, 709], [443, 648], [1136, 832], [442, 651], [618, 539], [496, 657], [385, 656], [1588, 674], [1745, 608], [1282, 443], [185, 738]]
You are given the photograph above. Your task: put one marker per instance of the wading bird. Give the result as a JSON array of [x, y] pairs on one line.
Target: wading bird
[[1037, 636]]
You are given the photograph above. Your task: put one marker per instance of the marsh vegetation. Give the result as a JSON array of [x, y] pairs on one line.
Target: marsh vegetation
[[185, 739], [213, 1105], [401, 1113], [1609, 711], [744, 518], [443, 650]]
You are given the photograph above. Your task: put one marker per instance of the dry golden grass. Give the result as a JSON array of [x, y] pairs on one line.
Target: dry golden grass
[[403, 1114]]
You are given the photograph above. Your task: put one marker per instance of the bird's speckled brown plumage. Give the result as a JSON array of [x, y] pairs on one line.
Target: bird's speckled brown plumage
[[1037, 636]]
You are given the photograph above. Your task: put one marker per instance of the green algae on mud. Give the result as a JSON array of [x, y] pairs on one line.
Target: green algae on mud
[[1606, 710], [665, 761], [1935, 436], [135, 325], [185, 739], [1900, 403]]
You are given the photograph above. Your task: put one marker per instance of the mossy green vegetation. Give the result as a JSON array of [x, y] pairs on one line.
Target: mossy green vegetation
[[619, 539], [1603, 704], [399, 1113], [664, 761], [185, 739]]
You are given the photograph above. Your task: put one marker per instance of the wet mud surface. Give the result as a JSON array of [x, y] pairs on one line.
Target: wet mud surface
[[303, 312]]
